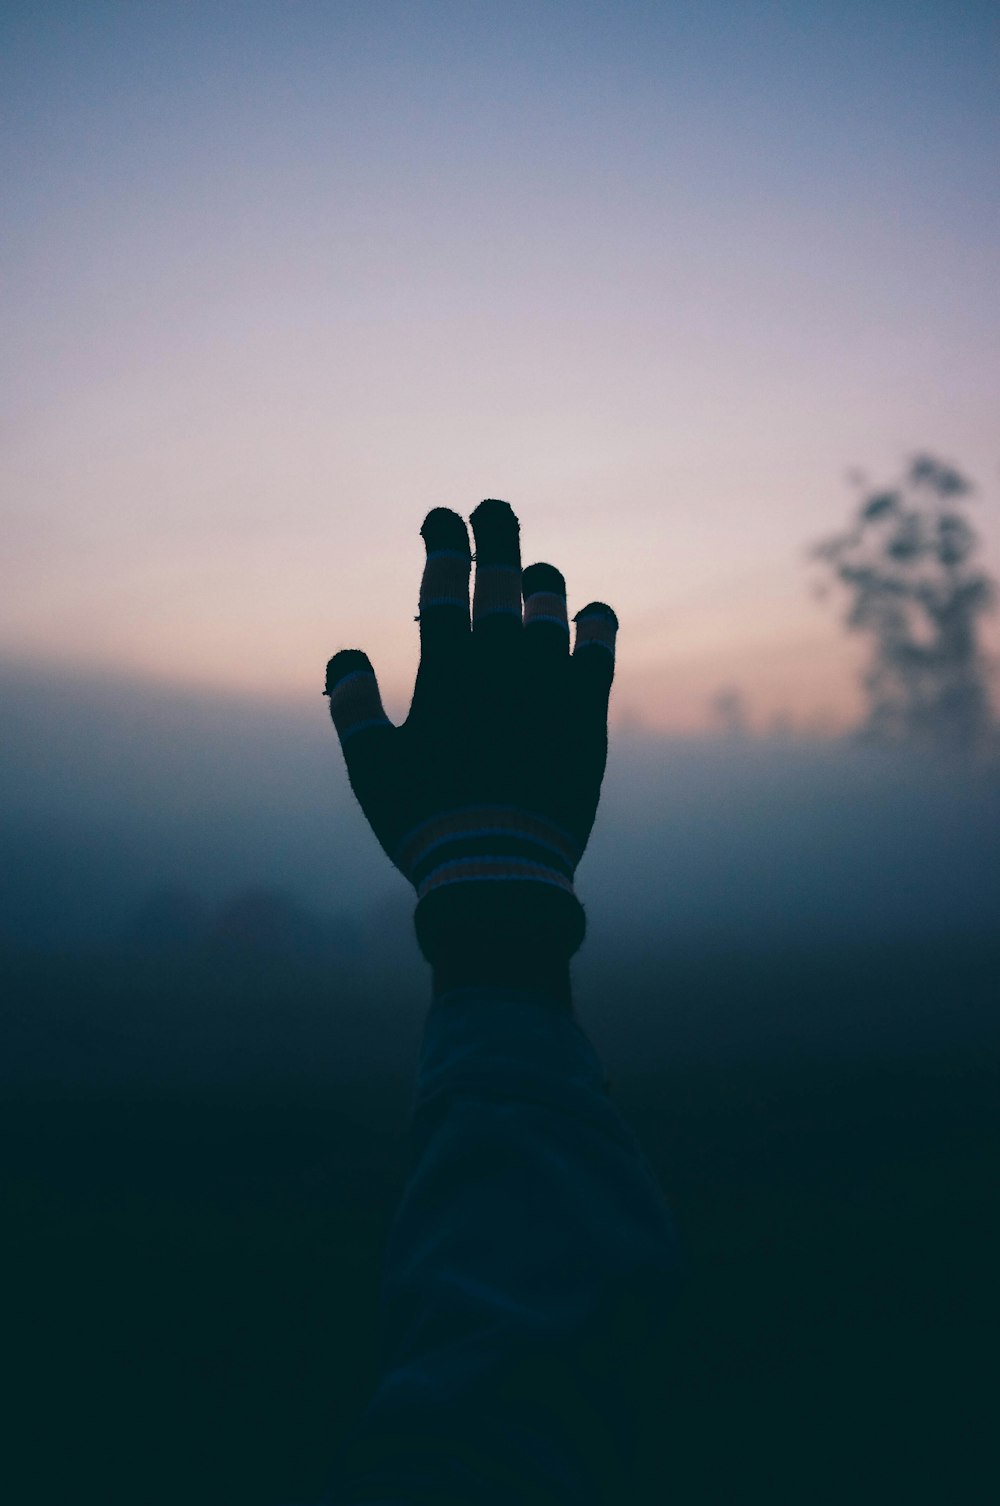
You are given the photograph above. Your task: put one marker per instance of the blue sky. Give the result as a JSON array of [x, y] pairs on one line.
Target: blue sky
[[280, 277]]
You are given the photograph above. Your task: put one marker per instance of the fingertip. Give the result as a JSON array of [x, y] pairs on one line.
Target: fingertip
[[497, 533], [597, 609], [444, 529], [596, 629], [545, 578], [492, 509], [355, 701], [545, 612], [349, 661]]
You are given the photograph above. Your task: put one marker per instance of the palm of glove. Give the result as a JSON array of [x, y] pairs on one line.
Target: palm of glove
[[496, 772]]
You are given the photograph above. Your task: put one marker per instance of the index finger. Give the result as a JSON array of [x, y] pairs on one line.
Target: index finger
[[496, 602], [444, 587]]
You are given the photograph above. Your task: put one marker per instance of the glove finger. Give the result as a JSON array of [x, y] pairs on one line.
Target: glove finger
[[594, 659], [356, 708], [496, 603], [444, 588], [546, 629]]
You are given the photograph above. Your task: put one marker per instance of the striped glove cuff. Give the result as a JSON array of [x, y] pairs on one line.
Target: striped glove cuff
[[487, 842]]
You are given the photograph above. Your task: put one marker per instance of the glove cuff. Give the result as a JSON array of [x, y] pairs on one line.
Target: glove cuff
[[493, 881], [482, 843]]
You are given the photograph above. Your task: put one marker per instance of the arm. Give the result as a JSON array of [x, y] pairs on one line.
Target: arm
[[531, 1260]]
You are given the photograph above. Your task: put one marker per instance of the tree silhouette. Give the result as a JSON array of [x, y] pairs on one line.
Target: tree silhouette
[[907, 564], [729, 711]]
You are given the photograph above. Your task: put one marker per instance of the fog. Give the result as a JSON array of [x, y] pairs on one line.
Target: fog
[[113, 789], [212, 1004], [743, 894]]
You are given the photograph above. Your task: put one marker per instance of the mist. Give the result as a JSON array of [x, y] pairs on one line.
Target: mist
[[745, 895], [114, 788]]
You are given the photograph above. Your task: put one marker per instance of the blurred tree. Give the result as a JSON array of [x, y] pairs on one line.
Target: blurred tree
[[263, 925], [907, 564], [729, 711], [260, 924]]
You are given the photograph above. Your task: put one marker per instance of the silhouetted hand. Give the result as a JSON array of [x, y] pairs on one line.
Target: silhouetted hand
[[485, 797]]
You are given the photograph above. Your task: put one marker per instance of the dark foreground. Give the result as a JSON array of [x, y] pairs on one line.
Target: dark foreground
[[191, 1259]]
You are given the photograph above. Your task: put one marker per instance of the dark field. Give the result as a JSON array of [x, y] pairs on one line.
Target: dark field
[[195, 1216]]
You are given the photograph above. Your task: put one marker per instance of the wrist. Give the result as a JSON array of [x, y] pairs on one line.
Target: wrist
[[511, 935]]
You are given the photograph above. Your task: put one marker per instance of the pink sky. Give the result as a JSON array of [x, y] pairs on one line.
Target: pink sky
[[279, 282]]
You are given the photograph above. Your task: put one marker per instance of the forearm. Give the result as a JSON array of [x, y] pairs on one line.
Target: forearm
[[529, 1268], [545, 977]]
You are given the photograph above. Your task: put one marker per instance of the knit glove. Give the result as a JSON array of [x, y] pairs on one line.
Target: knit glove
[[485, 797]]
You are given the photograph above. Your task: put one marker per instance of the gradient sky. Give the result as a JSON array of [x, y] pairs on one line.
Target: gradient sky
[[280, 277]]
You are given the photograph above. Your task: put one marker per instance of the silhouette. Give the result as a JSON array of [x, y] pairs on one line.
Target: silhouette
[[791, 962], [531, 1262], [907, 565]]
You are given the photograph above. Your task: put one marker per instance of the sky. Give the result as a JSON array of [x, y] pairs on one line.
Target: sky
[[278, 278]]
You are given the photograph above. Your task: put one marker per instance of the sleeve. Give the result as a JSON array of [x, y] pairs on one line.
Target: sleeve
[[527, 1274]]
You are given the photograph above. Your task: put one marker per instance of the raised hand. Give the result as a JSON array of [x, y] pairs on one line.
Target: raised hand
[[486, 796]]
